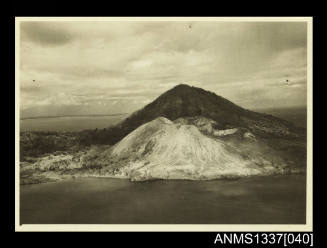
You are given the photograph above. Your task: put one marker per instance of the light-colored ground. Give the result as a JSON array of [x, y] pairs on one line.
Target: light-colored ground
[[162, 149]]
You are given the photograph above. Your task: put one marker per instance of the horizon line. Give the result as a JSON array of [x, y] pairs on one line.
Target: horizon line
[[57, 116]]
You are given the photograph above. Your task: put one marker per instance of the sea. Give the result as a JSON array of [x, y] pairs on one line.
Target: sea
[[69, 123], [255, 200]]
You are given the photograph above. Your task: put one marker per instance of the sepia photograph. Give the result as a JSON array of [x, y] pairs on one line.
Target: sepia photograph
[[167, 124]]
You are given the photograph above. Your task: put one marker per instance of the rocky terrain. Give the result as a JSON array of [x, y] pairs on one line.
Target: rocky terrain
[[186, 133]]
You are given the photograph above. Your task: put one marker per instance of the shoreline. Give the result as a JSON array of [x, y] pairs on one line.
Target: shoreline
[[223, 178]]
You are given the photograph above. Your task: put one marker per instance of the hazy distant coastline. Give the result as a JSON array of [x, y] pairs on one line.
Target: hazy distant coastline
[[59, 116], [69, 123], [295, 115]]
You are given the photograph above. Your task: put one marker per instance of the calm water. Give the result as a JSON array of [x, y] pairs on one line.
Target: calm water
[[265, 200], [296, 115], [69, 123]]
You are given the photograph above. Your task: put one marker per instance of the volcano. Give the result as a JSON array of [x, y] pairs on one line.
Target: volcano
[[162, 149], [186, 133], [190, 133], [185, 101]]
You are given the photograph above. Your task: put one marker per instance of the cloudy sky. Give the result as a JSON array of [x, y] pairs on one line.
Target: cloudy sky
[[118, 67]]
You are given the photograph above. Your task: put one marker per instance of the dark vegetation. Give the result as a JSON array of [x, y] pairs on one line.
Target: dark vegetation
[[33, 144]]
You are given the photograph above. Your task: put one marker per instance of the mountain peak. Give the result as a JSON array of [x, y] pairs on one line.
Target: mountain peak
[[189, 91], [180, 88], [188, 101], [182, 85]]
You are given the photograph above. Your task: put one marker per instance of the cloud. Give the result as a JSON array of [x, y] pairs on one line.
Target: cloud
[[125, 65], [45, 33]]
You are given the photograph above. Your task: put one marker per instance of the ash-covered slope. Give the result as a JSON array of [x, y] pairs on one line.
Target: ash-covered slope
[[167, 150], [187, 101], [187, 148]]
